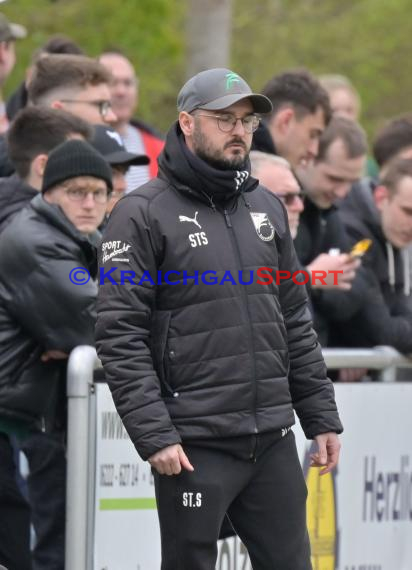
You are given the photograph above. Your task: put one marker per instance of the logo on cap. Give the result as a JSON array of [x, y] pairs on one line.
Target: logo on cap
[[231, 78], [115, 136]]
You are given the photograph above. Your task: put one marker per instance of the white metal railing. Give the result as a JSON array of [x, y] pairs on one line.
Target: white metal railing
[[81, 438]]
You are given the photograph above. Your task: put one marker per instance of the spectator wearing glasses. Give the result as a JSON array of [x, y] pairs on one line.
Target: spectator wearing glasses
[[137, 136], [55, 44], [275, 173], [205, 378], [18, 100], [43, 316], [75, 83]]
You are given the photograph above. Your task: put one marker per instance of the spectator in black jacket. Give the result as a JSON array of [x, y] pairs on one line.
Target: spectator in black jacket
[[206, 376], [32, 135], [394, 140], [301, 111], [43, 316], [322, 242], [383, 213]]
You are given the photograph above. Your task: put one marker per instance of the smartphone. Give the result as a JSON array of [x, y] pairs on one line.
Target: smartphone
[[360, 248]]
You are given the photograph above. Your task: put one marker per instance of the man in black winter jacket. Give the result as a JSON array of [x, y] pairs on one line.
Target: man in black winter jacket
[[44, 314], [382, 212], [205, 371], [321, 242]]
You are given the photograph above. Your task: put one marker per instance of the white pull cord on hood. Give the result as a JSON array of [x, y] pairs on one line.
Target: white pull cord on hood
[[406, 269], [391, 265], [406, 272]]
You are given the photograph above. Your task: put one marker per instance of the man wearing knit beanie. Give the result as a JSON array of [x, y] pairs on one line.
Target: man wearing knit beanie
[[78, 180], [47, 307]]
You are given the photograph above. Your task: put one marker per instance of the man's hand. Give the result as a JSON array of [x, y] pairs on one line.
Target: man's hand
[[170, 460], [351, 374], [53, 355], [328, 452], [331, 263]]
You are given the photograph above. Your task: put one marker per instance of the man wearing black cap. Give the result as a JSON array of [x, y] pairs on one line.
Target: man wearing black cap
[[44, 314], [206, 360], [110, 145]]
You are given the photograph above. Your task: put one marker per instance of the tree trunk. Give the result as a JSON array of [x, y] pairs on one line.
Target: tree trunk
[[209, 24]]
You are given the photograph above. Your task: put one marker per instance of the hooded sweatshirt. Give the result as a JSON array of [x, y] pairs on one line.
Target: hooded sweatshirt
[[386, 317], [263, 141]]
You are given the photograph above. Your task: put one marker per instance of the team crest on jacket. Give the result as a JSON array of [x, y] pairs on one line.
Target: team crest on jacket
[[264, 227]]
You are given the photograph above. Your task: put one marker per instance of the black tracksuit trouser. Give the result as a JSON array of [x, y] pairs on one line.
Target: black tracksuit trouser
[[258, 482]]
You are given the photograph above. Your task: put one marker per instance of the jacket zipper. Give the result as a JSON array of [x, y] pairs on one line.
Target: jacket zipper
[[250, 335]]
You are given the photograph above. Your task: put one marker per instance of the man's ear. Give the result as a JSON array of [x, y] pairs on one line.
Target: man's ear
[[282, 119], [187, 123], [380, 196], [39, 164]]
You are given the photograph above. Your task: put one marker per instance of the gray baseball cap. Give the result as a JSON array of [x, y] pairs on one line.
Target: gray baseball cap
[[216, 89]]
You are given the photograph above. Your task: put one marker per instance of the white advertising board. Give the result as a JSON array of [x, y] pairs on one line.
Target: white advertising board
[[359, 519]]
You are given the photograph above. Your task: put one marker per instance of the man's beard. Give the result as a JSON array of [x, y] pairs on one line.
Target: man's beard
[[216, 159]]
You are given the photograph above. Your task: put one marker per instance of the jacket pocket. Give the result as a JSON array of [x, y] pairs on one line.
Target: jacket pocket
[[159, 335]]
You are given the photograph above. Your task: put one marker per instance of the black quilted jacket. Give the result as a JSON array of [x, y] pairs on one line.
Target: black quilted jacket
[[40, 308], [193, 360]]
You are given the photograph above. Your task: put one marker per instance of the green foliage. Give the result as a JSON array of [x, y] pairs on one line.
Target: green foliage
[[148, 31], [367, 40]]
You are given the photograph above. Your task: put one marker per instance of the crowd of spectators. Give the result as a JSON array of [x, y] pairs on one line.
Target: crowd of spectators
[[71, 147]]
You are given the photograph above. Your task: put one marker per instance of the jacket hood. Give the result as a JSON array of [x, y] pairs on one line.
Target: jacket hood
[[192, 175], [360, 213], [15, 194], [263, 141], [359, 210]]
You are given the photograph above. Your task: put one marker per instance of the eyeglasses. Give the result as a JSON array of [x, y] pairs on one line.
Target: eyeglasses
[[117, 194], [100, 196], [289, 198], [228, 122], [103, 106]]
